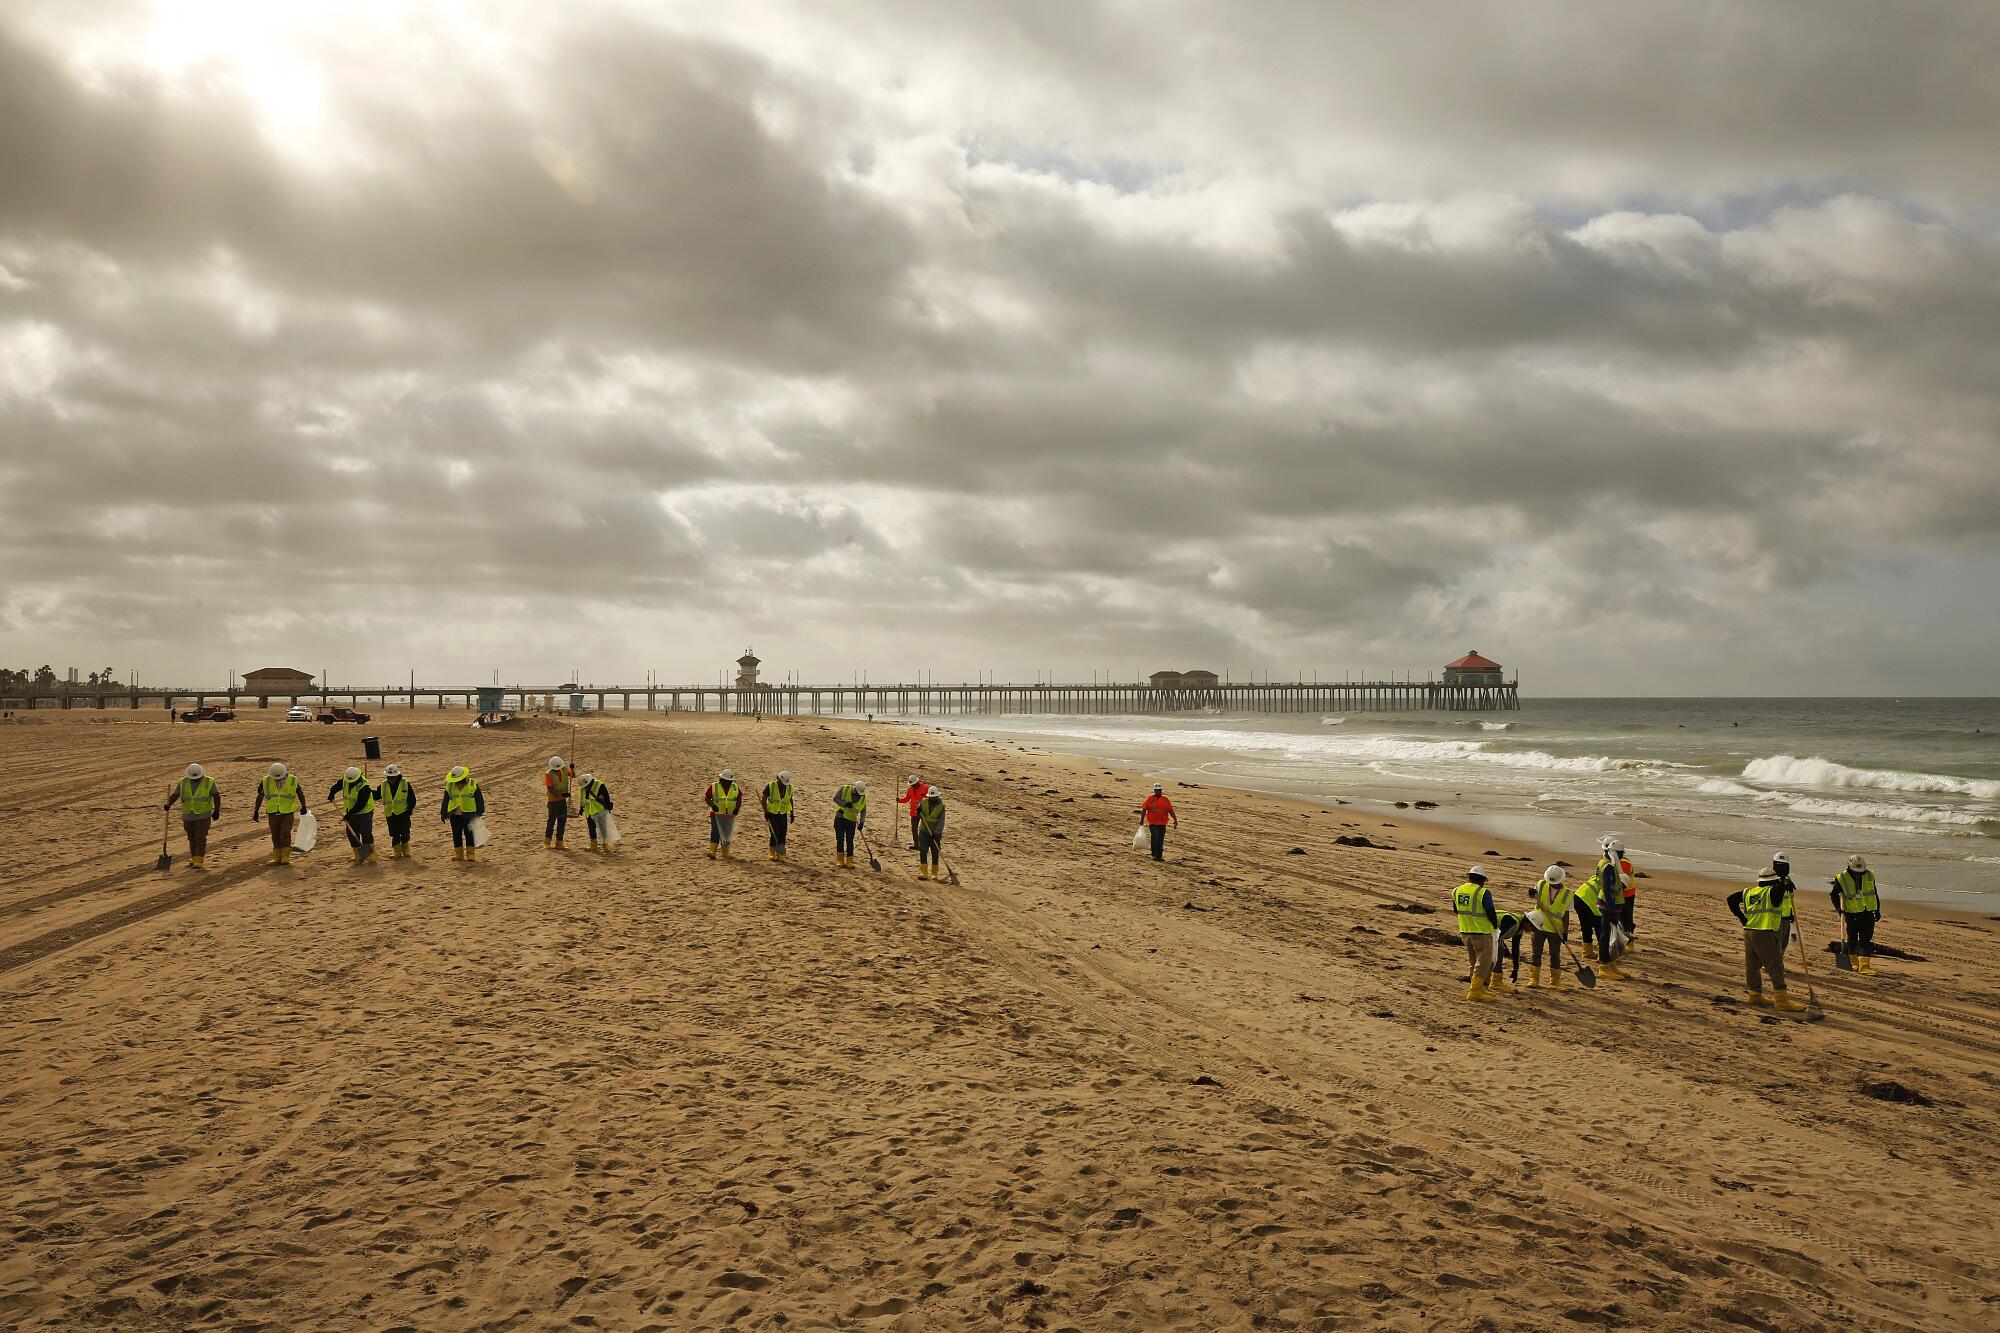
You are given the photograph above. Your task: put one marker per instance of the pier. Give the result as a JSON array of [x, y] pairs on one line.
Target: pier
[[927, 699]]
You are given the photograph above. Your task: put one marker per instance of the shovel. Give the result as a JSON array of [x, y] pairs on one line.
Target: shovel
[[166, 860], [1840, 958], [1584, 973], [874, 861], [1814, 1014]]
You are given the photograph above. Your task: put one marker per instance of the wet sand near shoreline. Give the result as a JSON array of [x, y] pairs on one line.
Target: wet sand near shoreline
[[1078, 1090]]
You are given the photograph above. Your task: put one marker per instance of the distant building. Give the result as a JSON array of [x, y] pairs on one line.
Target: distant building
[[1199, 680], [1472, 669], [746, 671], [266, 681], [1165, 680]]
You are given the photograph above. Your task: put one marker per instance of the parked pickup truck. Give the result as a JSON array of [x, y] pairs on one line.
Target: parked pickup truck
[[333, 715], [209, 713]]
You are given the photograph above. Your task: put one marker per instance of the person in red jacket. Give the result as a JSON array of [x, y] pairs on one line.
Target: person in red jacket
[[1159, 812], [913, 795]]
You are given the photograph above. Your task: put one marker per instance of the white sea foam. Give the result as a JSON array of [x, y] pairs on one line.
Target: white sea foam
[[1332, 721], [1724, 787], [1496, 726], [1792, 771]]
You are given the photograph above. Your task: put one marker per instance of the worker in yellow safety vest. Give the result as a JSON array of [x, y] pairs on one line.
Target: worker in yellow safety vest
[[398, 799], [1859, 903], [596, 804], [1549, 919], [1597, 906], [778, 813], [723, 798], [201, 806], [1472, 903], [1761, 909], [279, 799], [850, 815], [463, 803], [357, 808]]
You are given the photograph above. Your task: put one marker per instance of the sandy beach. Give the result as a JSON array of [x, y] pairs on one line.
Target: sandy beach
[[1077, 1090]]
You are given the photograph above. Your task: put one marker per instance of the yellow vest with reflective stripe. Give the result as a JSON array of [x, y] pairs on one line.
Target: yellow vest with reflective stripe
[[728, 796], [850, 803], [1857, 892], [930, 814], [1553, 900], [1760, 908], [356, 797], [281, 795], [1587, 893], [198, 796], [1466, 901], [397, 796], [593, 799], [463, 796], [777, 799]]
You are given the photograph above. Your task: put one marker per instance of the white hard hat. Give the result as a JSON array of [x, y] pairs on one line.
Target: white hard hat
[[555, 761], [457, 772], [860, 787], [392, 772], [1780, 859], [1159, 786], [914, 779], [353, 773], [277, 770], [1555, 874], [1477, 872], [194, 770], [937, 793], [588, 779], [727, 775], [784, 777], [1855, 862]]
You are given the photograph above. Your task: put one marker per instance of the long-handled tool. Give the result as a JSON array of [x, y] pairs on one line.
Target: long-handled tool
[[950, 875], [874, 861], [570, 806], [1814, 1014], [166, 860], [1584, 973], [1840, 958]]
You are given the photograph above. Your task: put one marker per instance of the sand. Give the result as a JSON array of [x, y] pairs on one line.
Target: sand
[[1078, 1090]]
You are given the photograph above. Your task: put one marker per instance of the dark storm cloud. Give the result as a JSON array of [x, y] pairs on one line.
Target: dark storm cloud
[[1264, 336]]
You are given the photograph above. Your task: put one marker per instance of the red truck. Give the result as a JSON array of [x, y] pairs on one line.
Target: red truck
[[209, 713], [333, 715]]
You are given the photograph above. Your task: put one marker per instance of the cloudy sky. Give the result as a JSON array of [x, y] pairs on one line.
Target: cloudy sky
[[1648, 348]]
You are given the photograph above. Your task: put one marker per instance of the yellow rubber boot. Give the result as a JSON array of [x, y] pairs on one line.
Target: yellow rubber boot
[[194, 862], [1785, 1004], [1534, 981], [1478, 992], [1863, 963], [712, 849], [1556, 982], [559, 844], [1757, 997], [1499, 985], [458, 853], [472, 853], [548, 842], [1610, 971]]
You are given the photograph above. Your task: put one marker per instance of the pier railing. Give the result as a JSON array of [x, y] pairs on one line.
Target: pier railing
[[899, 700]]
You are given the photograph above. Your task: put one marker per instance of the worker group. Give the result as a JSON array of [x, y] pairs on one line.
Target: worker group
[[281, 802], [1604, 907]]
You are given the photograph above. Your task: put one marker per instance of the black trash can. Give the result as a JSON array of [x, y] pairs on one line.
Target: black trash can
[[372, 746]]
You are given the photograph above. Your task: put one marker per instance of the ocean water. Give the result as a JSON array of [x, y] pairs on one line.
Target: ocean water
[[1703, 784]]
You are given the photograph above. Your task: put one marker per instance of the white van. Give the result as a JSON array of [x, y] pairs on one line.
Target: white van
[[298, 713]]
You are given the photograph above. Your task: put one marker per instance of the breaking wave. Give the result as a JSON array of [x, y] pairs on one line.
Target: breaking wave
[[1792, 771]]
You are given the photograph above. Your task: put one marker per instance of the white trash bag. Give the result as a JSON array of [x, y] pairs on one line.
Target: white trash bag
[[1620, 937], [1538, 921], [607, 828], [1139, 839], [305, 834], [480, 837]]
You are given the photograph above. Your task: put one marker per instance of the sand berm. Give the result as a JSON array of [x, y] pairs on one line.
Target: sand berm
[[1077, 1091]]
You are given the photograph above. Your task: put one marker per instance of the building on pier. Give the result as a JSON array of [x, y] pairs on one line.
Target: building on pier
[[268, 683], [1472, 669]]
